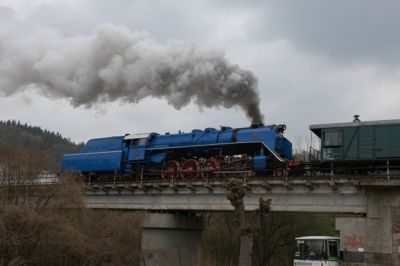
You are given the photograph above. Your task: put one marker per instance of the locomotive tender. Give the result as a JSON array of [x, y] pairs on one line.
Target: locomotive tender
[[205, 153]]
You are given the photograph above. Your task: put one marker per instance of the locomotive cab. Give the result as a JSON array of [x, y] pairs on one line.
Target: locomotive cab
[[137, 145]]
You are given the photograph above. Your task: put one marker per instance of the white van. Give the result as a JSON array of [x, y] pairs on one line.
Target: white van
[[317, 251]]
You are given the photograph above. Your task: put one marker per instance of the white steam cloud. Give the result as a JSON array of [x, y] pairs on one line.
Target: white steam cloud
[[116, 63]]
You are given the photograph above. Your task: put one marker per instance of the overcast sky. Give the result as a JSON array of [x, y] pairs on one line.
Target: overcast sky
[[316, 61]]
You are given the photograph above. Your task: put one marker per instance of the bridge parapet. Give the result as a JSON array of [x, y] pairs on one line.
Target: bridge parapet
[[316, 194]]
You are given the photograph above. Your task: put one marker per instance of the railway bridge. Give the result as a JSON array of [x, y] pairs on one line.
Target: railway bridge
[[367, 211]]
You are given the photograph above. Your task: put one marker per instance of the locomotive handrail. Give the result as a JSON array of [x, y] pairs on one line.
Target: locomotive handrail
[[88, 153]]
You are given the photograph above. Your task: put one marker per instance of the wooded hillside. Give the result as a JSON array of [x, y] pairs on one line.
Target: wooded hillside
[[28, 139], [49, 224]]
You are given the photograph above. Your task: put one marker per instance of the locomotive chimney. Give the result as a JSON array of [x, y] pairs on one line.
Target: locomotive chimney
[[356, 119], [257, 125]]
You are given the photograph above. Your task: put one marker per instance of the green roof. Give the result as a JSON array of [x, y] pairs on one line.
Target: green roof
[[316, 129]]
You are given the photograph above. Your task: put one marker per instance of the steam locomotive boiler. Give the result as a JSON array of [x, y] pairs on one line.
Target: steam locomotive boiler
[[208, 153]]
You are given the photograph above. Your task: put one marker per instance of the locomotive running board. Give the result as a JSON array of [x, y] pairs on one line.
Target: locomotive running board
[[234, 172], [280, 159]]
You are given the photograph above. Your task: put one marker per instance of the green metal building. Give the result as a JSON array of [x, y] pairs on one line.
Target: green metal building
[[369, 140]]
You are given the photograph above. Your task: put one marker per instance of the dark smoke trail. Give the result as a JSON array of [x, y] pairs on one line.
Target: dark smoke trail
[[118, 64]]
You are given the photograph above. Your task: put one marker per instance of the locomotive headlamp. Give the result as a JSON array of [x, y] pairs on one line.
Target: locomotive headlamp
[[281, 128]]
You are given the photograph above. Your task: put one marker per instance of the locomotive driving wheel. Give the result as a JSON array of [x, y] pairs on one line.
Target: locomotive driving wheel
[[209, 167], [190, 169], [280, 172], [171, 170]]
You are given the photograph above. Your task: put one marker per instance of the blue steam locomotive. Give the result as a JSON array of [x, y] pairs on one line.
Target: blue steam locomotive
[[208, 153]]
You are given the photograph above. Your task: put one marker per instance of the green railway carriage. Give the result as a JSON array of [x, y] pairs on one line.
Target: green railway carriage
[[359, 141]]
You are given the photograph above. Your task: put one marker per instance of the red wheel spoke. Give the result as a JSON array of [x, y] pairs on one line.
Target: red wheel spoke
[[190, 169], [170, 170], [209, 167]]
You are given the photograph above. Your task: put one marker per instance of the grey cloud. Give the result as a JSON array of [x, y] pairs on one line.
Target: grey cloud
[[360, 31], [165, 20]]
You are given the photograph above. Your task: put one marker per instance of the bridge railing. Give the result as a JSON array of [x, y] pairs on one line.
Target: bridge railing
[[381, 169], [328, 169]]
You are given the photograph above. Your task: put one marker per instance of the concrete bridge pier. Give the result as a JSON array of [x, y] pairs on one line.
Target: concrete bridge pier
[[373, 240], [171, 239]]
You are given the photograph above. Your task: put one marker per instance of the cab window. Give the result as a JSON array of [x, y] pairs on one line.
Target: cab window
[[333, 138], [136, 142]]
